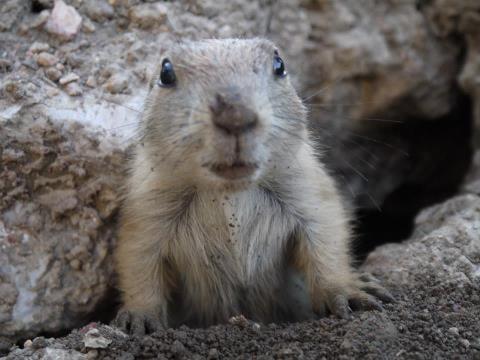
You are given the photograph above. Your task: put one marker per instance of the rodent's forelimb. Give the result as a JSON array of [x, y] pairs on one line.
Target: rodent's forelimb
[[143, 276], [321, 250]]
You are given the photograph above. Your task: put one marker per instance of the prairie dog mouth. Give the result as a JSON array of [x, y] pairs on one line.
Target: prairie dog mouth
[[235, 171]]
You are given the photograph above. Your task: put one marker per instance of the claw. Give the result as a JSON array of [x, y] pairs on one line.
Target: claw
[[365, 302], [137, 327], [122, 320], [339, 307], [136, 323], [379, 292], [368, 278]]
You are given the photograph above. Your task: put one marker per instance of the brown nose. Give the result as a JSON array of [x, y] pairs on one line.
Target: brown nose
[[231, 116]]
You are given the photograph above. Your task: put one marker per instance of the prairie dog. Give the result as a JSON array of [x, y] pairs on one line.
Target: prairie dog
[[226, 199]]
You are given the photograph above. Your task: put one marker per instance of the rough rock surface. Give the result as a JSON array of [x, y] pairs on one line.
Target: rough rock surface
[[58, 197], [435, 276], [461, 19], [367, 69], [378, 76]]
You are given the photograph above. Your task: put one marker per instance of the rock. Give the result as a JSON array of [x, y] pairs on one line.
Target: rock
[[366, 80], [454, 331], [461, 18], [147, 16], [94, 340], [73, 89], [64, 21], [53, 73], [99, 11], [39, 342], [117, 83], [213, 354], [5, 66], [91, 82], [46, 59], [40, 20], [178, 348], [38, 47], [239, 320], [441, 253], [92, 354], [70, 77], [46, 221], [60, 354], [465, 343], [88, 26]]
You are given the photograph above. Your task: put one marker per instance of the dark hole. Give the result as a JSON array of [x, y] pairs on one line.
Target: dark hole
[[37, 6], [439, 156]]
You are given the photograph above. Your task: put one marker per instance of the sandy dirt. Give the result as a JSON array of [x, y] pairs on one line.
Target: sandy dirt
[[432, 322]]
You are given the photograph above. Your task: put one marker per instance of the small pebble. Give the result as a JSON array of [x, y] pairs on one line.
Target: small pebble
[[40, 20], [88, 26], [178, 348], [28, 344], [454, 331], [64, 21], [73, 89], [5, 65], [91, 82], [70, 77], [92, 354], [213, 354], [39, 342], [116, 84], [37, 47], [53, 73], [52, 92], [99, 11], [46, 59], [465, 342]]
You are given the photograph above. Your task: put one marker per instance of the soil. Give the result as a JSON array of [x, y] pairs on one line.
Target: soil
[[434, 321]]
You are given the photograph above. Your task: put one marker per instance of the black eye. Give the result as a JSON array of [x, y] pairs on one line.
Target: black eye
[[167, 74], [278, 66]]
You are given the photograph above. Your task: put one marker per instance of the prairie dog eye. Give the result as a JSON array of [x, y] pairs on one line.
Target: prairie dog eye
[[278, 65], [167, 74]]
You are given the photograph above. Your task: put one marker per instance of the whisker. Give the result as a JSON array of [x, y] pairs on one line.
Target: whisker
[[374, 202], [321, 90], [380, 142], [121, 105], [354, 169]]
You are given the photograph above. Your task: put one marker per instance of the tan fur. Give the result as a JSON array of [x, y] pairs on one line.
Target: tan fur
[[195, 248]]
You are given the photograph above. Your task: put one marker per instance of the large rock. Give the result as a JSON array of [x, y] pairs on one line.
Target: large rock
[[58, 198], [461, 19], [379, 81], [441, 257], [369, 58]]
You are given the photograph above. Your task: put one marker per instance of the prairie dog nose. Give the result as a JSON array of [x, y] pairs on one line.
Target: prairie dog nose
[[231, 116]]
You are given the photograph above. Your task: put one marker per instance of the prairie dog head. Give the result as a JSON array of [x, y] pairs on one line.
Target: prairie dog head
[[222, 113]]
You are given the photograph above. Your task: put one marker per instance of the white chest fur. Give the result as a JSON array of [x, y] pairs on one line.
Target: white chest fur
[[232, 237]]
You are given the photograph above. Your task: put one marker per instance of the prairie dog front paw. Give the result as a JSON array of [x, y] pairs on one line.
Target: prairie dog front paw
[[136, 322]]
